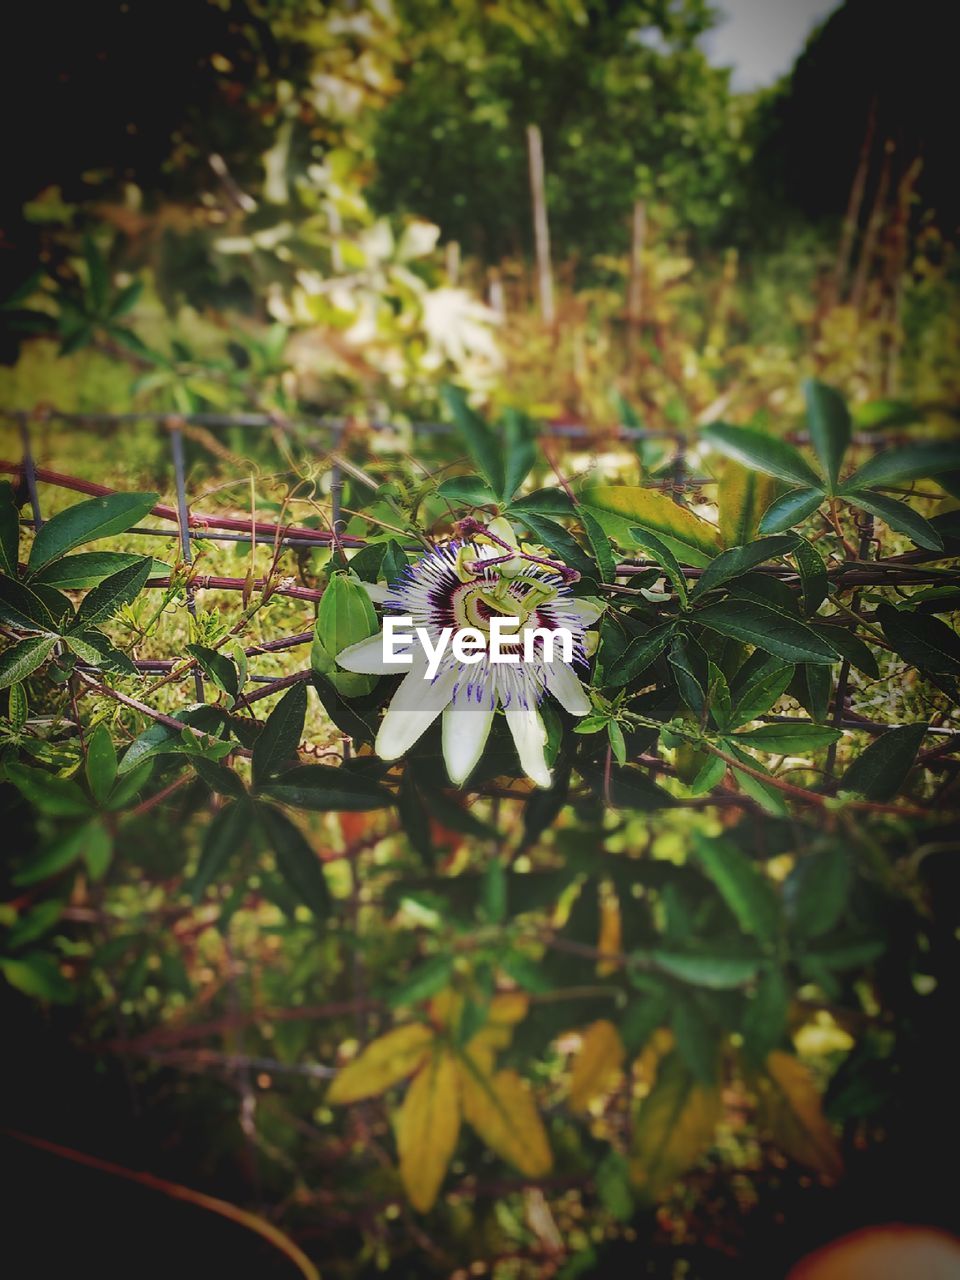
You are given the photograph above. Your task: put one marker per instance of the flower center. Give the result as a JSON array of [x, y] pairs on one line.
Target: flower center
[[475, 603]]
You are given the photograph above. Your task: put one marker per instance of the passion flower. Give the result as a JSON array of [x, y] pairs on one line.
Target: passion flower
[[465, 584]]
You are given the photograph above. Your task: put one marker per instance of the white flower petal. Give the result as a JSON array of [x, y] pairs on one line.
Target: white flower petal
[[414, 707], [378, 592], [466, 728], [366, 658], [529, 736], [561, 680]]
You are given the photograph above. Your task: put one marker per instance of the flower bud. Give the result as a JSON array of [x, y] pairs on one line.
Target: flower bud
[[345, 617]]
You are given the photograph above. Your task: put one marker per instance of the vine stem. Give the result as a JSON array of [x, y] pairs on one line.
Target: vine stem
[[252, 1221]]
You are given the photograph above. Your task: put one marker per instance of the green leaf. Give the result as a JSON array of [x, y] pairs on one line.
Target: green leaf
[[218, 667], [126, 299], [743, 888], [18, 706], [639, 654], [520, 452], [923, 641], [469, 489], [612, 1181], [621, 508], [790, 510], [9, 530], [87, 521], [696, 1040], [828, 420], [765, 1018], [129, 786], [494, 895], [425, 981], [757, 686], [688, 661], [544, 502], [343, 713], [629, 788], [219, 778], [914, 462], [709, 776], [324, 788], [816, 891], [98, 851], [278, 740], [413, 814], [297, 861], [761, 453], [23, 659], [87, 568], [94, 647], [366, 563], [899, 517], [98, 275], [814, 583], [101, 764], [24, 609], [849, 646], [665, 558], [37, 975], [739, 560], [766, 628], [482, 445], [559, 540], [226, 835], [788, 739], [767, 797], [119, 589], [643, 1017], [879, 773], [600, 545], [161, 739], [61, 853], [617, 741], [714, 970], [56, 797], [28, 928], [525, 973], [812, 688]]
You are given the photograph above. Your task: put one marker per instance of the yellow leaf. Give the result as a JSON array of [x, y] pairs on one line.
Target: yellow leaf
[[383, 1062], [790, 1109], [446, 1007], [508, 1008], [742, 498], [610, 942], [650, 1056], [600, 1058], [675, 1124], [620, 508], [427, 1128], [500, 1108]]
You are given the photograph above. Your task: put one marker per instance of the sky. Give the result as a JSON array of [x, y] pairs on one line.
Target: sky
[[761, 39]]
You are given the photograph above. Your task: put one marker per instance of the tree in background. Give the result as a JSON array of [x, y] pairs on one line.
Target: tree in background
[[629, 108]]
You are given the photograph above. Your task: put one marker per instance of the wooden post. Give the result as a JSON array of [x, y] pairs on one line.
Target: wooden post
[[541, 228], [637, 244], [875, 222], [851, 218]]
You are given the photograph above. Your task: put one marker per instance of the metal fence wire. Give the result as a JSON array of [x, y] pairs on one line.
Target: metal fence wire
[[904, 570]]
